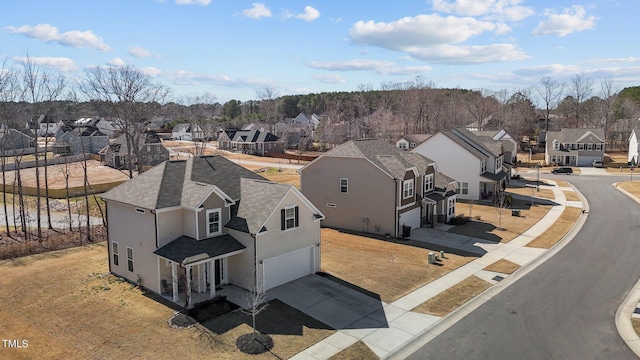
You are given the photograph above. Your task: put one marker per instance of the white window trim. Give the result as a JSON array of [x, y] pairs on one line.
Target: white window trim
[[287, 218], [483, 166], [130, 260], [345, 186], [463, 186], [210, 211], [428, 182], [407, 189], [115, 253]]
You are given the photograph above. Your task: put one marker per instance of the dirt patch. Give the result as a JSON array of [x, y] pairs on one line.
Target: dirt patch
[[392, 270], [359, 351], [451, 299], [503, 266], [560, 228]]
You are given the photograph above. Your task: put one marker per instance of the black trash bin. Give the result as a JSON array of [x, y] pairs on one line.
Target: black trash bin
[[406, 231]]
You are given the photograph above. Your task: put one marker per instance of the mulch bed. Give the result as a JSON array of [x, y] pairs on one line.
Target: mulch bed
[[254, 344], [211, 308]]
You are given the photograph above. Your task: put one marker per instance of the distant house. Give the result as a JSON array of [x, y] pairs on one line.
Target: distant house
[[188, 132], [410, 141], [510, 145], [293, 133], [372, 186], [634, 146], [13, 142], [254, 142], [310, 119], [184, 229], [47, 126], [152, 152], [574, 147], [487, 124], [81, 140], [476, 162]]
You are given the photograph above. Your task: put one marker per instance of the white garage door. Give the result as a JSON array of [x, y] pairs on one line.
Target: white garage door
[[288, 267], [411, 218]]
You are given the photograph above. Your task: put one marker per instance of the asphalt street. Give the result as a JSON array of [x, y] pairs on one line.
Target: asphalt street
[[565, 308]]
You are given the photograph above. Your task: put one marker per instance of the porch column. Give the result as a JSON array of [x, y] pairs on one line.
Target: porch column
[[212, 279], [174, 281], [188, 290], [202, 280]]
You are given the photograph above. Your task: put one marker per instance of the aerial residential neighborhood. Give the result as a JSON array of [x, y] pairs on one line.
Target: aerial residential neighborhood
[[311, 181]]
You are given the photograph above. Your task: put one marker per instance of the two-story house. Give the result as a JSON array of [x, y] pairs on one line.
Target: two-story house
[[151, 150], [476, 162], [574, 147], [184, 228], [187, 132], [371, 186]]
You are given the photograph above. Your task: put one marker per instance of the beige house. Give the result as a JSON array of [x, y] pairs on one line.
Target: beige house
[[184, 228], [372, 186], [574, 147]]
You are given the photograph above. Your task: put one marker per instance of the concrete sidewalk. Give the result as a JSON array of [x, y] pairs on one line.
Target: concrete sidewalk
[[405, 328]]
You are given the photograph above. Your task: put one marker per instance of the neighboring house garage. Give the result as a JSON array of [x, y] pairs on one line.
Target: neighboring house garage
[[288, 267]]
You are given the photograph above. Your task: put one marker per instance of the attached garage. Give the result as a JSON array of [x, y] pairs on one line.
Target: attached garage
[[288, 267], [411, 218]]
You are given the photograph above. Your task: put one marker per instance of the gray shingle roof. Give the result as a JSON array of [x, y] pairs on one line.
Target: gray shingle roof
[[185, 250], [181, 183], [264, 193], [386, 156]]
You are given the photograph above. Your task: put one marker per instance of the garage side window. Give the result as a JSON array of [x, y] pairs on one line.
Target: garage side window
[[289, 218], [130, 259], [344, 185]]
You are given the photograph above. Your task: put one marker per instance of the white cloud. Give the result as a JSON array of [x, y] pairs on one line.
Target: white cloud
[[507, 10], [310, 14], [351, 65], [193, 2], [151, 71], [406, 70], [629, 59], [59, 63], [476, 54], [74, 38], [330, 79], [570, 20], [258, 10], [141, 52], [554, 70], [419, 31], [116, 61]]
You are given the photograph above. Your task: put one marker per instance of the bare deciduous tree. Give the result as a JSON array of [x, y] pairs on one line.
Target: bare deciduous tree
[[580, 89], [550, 92], [130, 96]]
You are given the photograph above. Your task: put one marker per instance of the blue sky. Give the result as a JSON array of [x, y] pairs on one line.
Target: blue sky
[[232, 48]]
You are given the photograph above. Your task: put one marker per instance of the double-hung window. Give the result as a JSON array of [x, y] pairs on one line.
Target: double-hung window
[[407, 189], [289, 218], [214, 225], [114, 250], [428, 182], [130, 259], [344, 185]]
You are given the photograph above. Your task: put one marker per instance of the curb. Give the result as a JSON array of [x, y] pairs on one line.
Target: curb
[[628, 306], [446, 322]]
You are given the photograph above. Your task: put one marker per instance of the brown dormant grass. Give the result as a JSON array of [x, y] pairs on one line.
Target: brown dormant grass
[[562, 183], [503, 266], [68, 307], [387, 269], [631, 186], [571, 196], [359, 351], [503, 230], [96, 173], [543, 193], [559, 229], [451, 299], [636, 325]]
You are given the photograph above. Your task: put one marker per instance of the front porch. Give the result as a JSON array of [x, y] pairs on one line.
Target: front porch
[[190, 270]]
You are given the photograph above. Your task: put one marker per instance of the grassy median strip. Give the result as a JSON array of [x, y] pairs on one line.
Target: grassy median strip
[[451, 299], [571, 196], [358, 350], [503, 266], [558, 230]]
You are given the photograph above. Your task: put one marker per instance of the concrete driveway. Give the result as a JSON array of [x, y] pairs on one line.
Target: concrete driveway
[[335, 305]]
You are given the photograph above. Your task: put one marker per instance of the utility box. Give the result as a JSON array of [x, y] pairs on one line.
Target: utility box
[[515, 213], [406, 231], [431, 257]]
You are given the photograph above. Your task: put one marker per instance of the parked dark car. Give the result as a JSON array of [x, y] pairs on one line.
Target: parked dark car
[[562, 170]]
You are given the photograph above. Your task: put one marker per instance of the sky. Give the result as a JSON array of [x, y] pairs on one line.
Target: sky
[[233, 49]]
